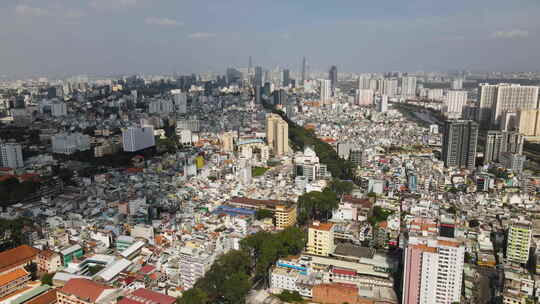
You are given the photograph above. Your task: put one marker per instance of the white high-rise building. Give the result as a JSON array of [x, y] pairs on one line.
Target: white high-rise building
[[457, 84], [382, 105], [244, 171], [65, 143], [433, 272], [363, 82], [364, 97], [495, 100], [58, 109], [11, 155], [454, 103], [390, 87], [326, 90], [135, 139], [435, 94], [408, 86], [180, 101], [162, 106]]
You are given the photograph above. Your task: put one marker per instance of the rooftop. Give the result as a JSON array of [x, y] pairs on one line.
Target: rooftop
[[16, 256]]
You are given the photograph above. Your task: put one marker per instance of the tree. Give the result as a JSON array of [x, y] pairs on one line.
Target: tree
[[32, 269], [341, 187], [317, 205], [263, 213], [193, 296], [47, 279]]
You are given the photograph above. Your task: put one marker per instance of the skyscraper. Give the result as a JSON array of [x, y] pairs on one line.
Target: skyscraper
[[11, 155], [286, 77], [495, 100], [363, 82], [459, 143], [457, 84], [433, 271], [258, 77], [304, 67], [180, 101], [364, 97], [135, 139], [277, 134], [390, 87], [325, 90], [280, 97], [333, 76], [408, 86], [382, 105]]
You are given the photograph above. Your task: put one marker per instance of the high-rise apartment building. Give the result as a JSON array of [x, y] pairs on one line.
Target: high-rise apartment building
[[382, 105], [454, 103], [304, 71], [227, 141], [66, 143], [364, 97], [433, 272], [180, 101], [519, 242], [135, 139], [457, 84], [58, 109], [277, 134], [390, 87], [363, 82], [495, 100], [258, 77], [11, 155], [161, 106], [408, 86], [333, 76], [529, 122], [459, 143], [498, 142], [325, 90]]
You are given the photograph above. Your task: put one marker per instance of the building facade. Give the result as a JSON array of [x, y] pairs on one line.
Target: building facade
[[11, 155], [459, 143]]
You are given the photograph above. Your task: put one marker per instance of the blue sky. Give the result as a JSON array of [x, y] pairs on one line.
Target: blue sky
[[41, 37]]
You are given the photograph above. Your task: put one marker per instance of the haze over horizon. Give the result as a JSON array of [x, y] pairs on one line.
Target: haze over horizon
[[61, 37]]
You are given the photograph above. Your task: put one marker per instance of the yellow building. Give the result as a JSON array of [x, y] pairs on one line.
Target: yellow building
[[529, 122], [277, 134], [284, 212], [227, 142], [320, 239]]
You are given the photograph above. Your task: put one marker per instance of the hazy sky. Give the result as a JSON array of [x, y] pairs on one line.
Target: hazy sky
[[40, 37]]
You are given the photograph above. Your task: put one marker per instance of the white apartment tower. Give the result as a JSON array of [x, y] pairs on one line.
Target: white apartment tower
[[433, 272], [11, 155], [495, 100], [135, 139], [180, 101], [408, 86], [454, 103], [326, 90]]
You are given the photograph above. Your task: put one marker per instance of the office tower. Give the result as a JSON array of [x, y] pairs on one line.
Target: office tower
[[519, 242], [529, 122], [363, 82], [180, 101], [364, 97], [277, 134], [498, 142], [382, 105], [280, 97], [495, 100], [304, 71], [258, 77], [457, 84], [390, 87], [250, 66], [408, 86], [333, 76], [258, 94], [459, 143], [135, 139], [326, 90], [58, 109], [433, 271], [286, 77], [66, 143], [11, 155], [454, 103]]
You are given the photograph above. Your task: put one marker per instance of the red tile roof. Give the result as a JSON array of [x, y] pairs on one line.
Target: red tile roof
[[16, 256], [47, 298], [147, 269], [143, 295], [12, 276], [84, 289]]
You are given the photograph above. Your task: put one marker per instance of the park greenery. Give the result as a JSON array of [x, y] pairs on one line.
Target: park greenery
[[263, 213], [290, 297], [47, 279], [233, 274], [11, 232], [258, 171]]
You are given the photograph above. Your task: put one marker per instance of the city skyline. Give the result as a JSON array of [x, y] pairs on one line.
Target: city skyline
[[136, 36]]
